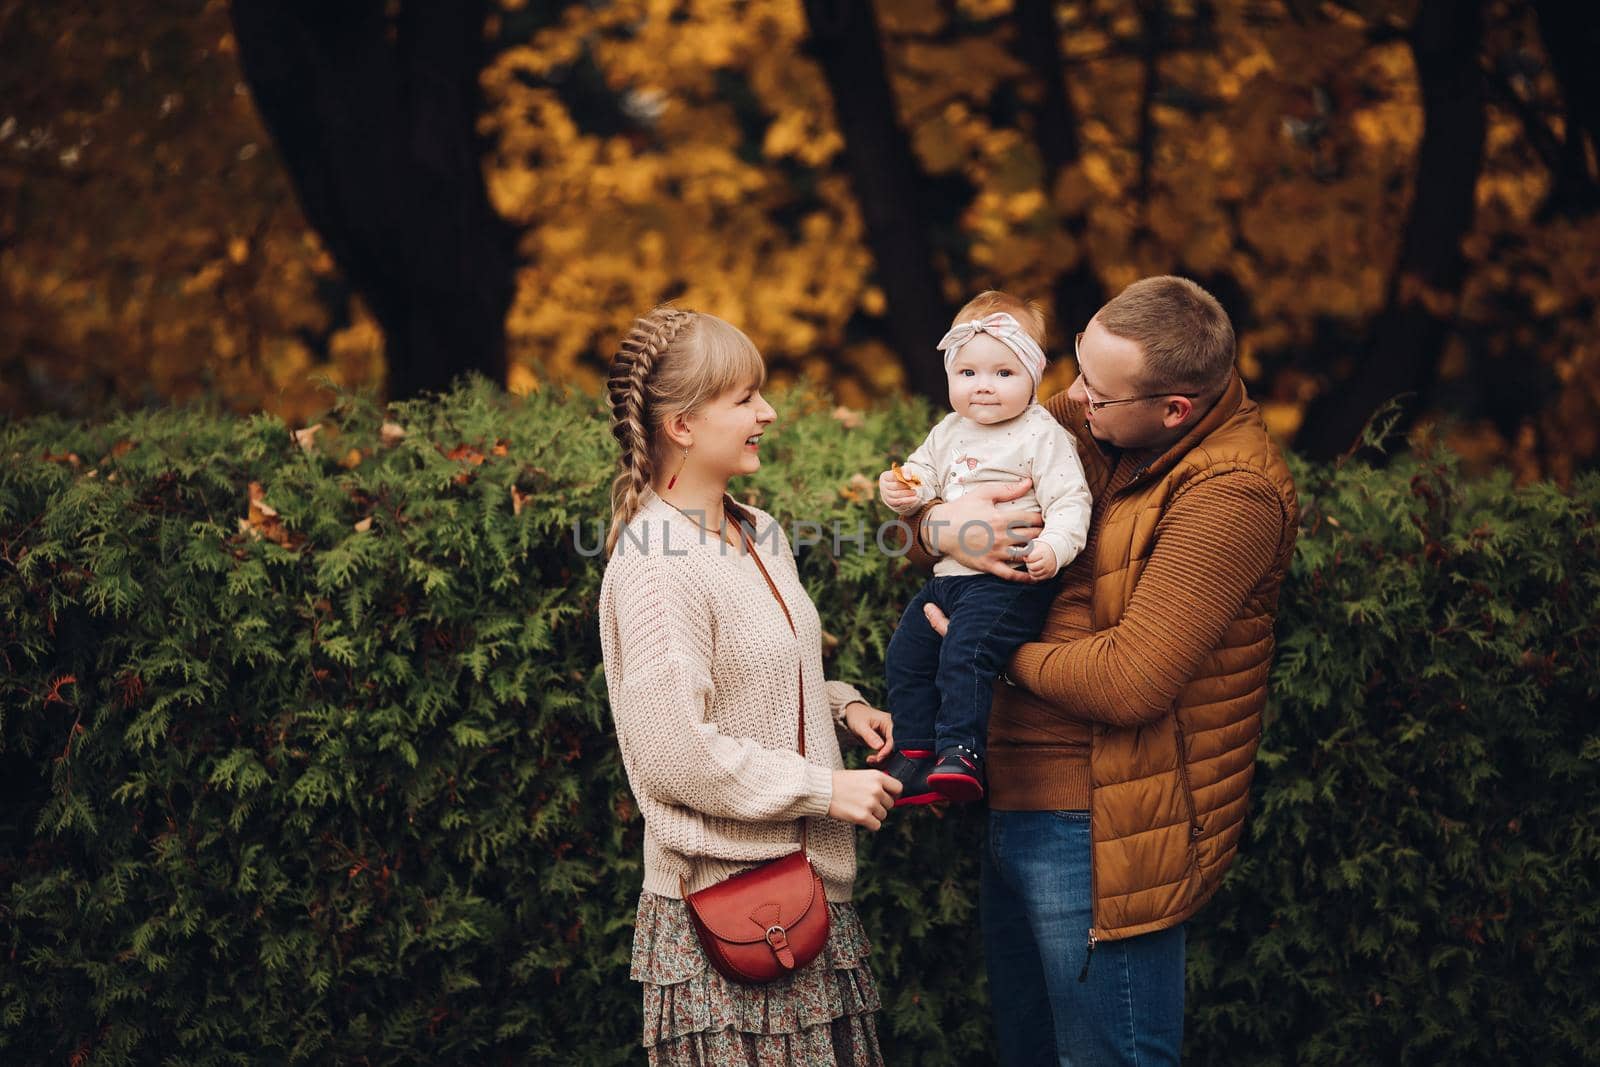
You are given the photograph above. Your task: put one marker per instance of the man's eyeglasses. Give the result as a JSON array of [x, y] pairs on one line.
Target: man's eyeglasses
[[1096, 405]]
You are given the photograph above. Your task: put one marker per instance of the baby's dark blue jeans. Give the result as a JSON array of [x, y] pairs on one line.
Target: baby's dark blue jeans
[[939, 689]]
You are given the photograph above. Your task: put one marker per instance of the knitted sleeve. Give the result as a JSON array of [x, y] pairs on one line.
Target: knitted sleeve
[[1063, 492], [917, 550], [927, 462], [1212, 547], [661, 705], [840, 696]]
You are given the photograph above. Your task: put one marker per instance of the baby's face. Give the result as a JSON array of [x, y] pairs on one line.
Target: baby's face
[[987, 382]]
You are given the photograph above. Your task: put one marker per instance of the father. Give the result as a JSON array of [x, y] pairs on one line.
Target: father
[[1122, 742]]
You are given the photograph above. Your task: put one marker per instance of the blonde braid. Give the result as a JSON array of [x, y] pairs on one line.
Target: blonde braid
[[650, 337]]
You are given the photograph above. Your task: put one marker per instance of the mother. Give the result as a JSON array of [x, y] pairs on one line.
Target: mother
[[705, 677]]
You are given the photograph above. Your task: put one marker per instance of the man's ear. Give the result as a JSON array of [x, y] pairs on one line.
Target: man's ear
[[1177, 412]]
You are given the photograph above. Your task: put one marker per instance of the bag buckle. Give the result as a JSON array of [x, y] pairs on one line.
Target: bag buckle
[[778, 939]]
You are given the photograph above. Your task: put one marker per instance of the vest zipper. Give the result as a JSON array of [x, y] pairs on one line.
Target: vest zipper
[[1088, 954], [1083, 975]]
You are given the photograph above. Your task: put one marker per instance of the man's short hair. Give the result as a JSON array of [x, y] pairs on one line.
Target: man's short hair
[[1186, 335]]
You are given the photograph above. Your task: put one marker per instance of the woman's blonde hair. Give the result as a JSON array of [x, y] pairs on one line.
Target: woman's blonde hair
[[669, 363]]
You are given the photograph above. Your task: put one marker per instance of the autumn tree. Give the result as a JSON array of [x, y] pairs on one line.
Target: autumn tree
[[374, 109], [1570, 34], [889, 185], [1424, 289], [150, 248], [1284, 153], [1076, 291]]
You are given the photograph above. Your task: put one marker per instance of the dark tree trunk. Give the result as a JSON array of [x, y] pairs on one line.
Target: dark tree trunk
[[1409, 334], [1055, 123], [1571, 34], [375, 120], [888, 183], [1152, 40], [1078, 293]]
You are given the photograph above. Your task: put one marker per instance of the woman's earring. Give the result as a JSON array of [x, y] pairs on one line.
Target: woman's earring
[[674, 479]]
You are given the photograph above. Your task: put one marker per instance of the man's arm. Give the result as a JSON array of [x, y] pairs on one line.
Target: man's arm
[[1212, 547], [921, 553]]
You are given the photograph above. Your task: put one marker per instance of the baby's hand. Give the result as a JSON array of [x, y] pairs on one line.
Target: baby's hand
[[1041, 560], [894, 492]]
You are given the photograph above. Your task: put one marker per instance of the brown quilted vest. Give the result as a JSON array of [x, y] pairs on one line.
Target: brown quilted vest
[[1168, 799]]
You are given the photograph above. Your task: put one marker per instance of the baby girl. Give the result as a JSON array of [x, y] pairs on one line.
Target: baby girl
[[939, 690]]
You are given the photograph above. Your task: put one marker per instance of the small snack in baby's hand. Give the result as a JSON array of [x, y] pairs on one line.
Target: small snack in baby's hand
[[910, 481]]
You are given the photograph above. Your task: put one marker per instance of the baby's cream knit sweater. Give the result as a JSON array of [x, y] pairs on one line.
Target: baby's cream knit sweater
[[704, 677]]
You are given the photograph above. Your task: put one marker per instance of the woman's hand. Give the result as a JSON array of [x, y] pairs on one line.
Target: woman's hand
[[972, 529], [863, 797], [874, 726]]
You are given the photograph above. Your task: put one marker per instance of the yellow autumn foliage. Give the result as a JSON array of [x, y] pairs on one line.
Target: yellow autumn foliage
[[688, 149]]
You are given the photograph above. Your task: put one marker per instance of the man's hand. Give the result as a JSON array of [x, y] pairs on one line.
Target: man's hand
[[1041, 561], [894, 493], [873, 726], [972, 530]]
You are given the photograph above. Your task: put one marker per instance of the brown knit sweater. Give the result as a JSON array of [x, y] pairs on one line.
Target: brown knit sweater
[[1196, 582]]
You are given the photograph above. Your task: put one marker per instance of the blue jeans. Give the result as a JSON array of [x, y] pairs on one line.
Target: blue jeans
[[1034, 903], [939, 689]]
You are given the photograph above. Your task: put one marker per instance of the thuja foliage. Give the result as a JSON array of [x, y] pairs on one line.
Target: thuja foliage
[[305, 753], [1421, 879]]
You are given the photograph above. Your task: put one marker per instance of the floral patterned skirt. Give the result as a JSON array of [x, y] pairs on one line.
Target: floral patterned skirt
[[823, 1014]]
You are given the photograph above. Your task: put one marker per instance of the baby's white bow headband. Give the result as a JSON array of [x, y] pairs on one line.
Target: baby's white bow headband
[[1003, 328]]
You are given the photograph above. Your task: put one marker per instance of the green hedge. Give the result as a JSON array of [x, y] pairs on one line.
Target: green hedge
[[338, 784]]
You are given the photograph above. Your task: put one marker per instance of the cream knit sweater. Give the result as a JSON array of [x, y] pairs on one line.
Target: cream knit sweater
[[703, 675]]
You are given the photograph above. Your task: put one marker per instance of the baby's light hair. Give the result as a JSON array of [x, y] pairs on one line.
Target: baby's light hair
[[1028, 313]]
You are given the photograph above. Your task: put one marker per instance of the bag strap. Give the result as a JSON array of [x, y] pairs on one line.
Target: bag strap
[[739, 520]]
